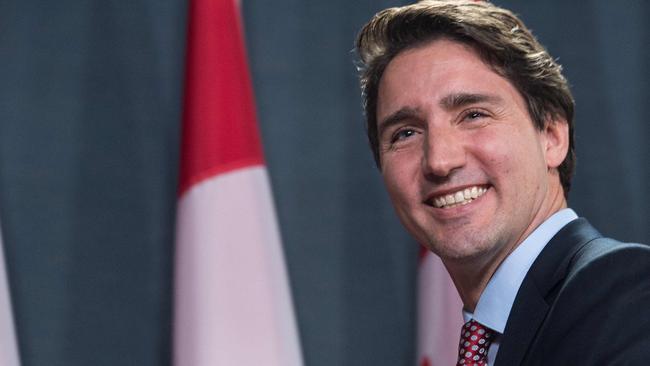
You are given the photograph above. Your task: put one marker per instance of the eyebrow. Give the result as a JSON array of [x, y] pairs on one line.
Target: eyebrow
[[458, 100], [449, 102]]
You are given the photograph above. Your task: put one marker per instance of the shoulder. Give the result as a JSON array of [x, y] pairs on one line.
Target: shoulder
[[607, 273], [605, 256], [600, 313]]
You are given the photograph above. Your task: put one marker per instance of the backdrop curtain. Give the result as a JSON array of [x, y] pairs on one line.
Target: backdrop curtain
[[90, 101]]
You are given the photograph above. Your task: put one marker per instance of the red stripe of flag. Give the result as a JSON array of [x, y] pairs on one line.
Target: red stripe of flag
[[217, 87]]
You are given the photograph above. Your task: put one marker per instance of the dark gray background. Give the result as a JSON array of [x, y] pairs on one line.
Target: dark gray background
[[90, 97]]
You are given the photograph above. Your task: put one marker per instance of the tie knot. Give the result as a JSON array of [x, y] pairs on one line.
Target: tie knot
[[475, 339]]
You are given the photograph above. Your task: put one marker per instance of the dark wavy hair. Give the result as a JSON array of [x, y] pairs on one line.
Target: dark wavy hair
[[500, 39]]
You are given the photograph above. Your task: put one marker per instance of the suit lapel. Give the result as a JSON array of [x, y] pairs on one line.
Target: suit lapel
[[537, 290]]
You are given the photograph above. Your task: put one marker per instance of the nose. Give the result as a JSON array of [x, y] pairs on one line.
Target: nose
[[444, 152]]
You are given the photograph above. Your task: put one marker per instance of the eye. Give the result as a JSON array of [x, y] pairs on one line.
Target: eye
[[402, 134], [474, 115]]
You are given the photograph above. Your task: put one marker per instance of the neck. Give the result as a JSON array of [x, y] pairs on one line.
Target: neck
[[471, 277]]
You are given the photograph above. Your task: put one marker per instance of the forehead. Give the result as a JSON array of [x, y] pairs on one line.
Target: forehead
[[435, 70]]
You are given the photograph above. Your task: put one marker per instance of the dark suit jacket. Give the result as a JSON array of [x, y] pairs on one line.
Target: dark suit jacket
[[584, 301]]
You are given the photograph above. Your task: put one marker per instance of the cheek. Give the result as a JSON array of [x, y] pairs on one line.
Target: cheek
[[507, 149], [395, 183], [495, 154], [399, 180]]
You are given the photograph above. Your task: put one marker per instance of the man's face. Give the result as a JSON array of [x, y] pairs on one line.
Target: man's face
[[468, 173]]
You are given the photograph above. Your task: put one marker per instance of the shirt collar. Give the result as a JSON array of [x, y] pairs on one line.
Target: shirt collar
[[493, 307]]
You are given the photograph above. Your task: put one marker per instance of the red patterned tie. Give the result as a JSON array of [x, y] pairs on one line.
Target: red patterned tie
[[475, 340]]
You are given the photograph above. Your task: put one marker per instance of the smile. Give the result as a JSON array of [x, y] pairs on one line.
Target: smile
[[461, 197]]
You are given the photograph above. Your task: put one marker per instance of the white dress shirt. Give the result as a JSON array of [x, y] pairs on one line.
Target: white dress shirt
[[493, 307]]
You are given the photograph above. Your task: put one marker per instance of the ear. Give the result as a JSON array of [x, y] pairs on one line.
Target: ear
[[556, 141]]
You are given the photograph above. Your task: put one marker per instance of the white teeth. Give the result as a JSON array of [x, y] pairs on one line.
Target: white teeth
[[449, 199], [439, 202], [461, 197]]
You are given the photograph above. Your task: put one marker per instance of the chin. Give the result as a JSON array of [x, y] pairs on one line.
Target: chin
[[461, 249]]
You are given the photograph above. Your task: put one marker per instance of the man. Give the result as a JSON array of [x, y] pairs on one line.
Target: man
[[471, 124]]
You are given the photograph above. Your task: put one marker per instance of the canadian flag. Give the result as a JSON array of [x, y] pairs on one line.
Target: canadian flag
[[232, 299], [8, 346], [439, 313]]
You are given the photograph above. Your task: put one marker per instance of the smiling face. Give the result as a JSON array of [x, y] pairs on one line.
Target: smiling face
[[468, 173]]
